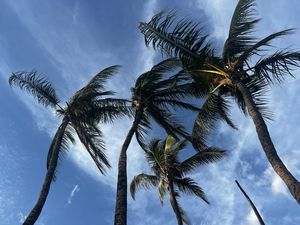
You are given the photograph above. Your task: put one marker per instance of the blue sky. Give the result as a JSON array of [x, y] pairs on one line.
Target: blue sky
[[70, 41]]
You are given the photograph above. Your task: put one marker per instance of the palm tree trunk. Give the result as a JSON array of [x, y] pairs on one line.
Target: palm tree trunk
[[251, 203], [267, 144], [36, 211], [174, 203], [121, 197]]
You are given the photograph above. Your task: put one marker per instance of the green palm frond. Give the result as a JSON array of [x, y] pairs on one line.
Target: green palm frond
[[91, 138], [162, 190], [277, 66], [177, 38], [189, 186], [36, 85], [143, 181], [207, 156], [242, 25]]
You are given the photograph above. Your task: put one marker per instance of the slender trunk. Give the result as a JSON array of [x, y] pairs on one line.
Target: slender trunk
[[121, 197], [267, 144], [252, 204], [36, 211], [174, 203]]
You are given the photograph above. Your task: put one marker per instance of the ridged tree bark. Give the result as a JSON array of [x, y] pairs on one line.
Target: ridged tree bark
[[36, 211], [174, 203], [121, 196], [267, 144], [251, 204]]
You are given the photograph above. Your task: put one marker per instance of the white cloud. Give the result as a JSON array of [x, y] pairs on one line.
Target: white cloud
[[251, 218], [75, 190]]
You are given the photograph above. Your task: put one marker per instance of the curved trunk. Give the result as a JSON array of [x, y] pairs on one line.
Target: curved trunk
[[174, 203], [36, 211], [121, 196], [251, 203], [267, 144]]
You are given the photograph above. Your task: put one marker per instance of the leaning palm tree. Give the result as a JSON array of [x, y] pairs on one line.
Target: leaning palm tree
[[81, 115], [170, 174], [261, 222], [241, 71], [153, 98]]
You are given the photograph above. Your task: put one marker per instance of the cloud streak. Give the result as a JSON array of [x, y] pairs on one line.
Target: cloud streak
[[75, 190]]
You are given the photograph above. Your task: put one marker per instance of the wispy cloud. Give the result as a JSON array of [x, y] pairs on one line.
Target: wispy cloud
[[75, 190]]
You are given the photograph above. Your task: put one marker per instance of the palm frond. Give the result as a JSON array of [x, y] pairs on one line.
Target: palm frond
[[167, 121], [278, 65], [102, 110], [258, 87], [162, 190], [189, 186], [143, 181], [177, 38], [168, 104], [95, 87], [91, 138], [242, 24], [215, 108], [265, 42], [36, 85], [207, 156]]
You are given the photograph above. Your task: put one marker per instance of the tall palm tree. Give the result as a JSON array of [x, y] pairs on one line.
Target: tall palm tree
[[153, 98], [170, 175], [241, 71], [261, 222], [81, 115]]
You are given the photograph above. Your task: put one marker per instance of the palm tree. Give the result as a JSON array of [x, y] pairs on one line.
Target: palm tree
[[170, 175], [81, 115], [261, 222], [241, 71], [153, 97]]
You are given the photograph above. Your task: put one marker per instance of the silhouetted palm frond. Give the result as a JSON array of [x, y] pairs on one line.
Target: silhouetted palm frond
[[177, 38], [143, 181], [36, 85]]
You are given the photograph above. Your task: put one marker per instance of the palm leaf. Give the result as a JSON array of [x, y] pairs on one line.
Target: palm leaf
[[143, 181], [207, 156], [177, 38], [277, 66], [189, 186], [95, 87], [91, 138], [36, 85], [242, 24], [254, 49]]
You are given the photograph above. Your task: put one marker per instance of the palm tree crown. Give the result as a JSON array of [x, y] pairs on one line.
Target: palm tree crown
[[81, 115], [240, 72], [170, 174], [154, 97]]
